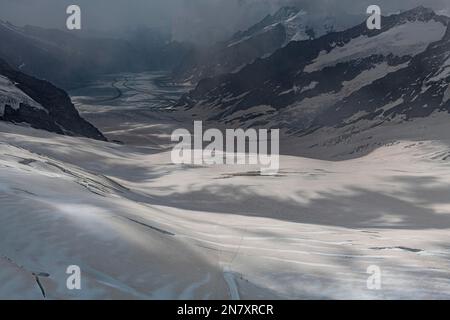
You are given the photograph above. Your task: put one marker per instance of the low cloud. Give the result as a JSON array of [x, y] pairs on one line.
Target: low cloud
[[194, 20]]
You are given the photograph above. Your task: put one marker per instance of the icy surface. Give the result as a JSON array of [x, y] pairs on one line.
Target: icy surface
[[140, 227]]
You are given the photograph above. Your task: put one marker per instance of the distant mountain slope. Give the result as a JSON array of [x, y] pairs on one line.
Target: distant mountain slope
[[263, 38], [402, 70], [24, 99], [65, 58]]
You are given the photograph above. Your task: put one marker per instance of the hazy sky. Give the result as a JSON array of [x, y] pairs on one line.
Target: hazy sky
[[187, 19]]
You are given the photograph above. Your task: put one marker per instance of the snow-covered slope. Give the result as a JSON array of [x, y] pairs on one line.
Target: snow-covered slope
[[140, 227], [407, 39]]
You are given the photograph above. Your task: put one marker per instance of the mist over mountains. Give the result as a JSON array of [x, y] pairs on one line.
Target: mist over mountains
[[68, 59], [199, 21]]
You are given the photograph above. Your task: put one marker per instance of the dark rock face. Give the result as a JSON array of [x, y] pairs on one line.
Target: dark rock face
[[372, 84], [59, 116]]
